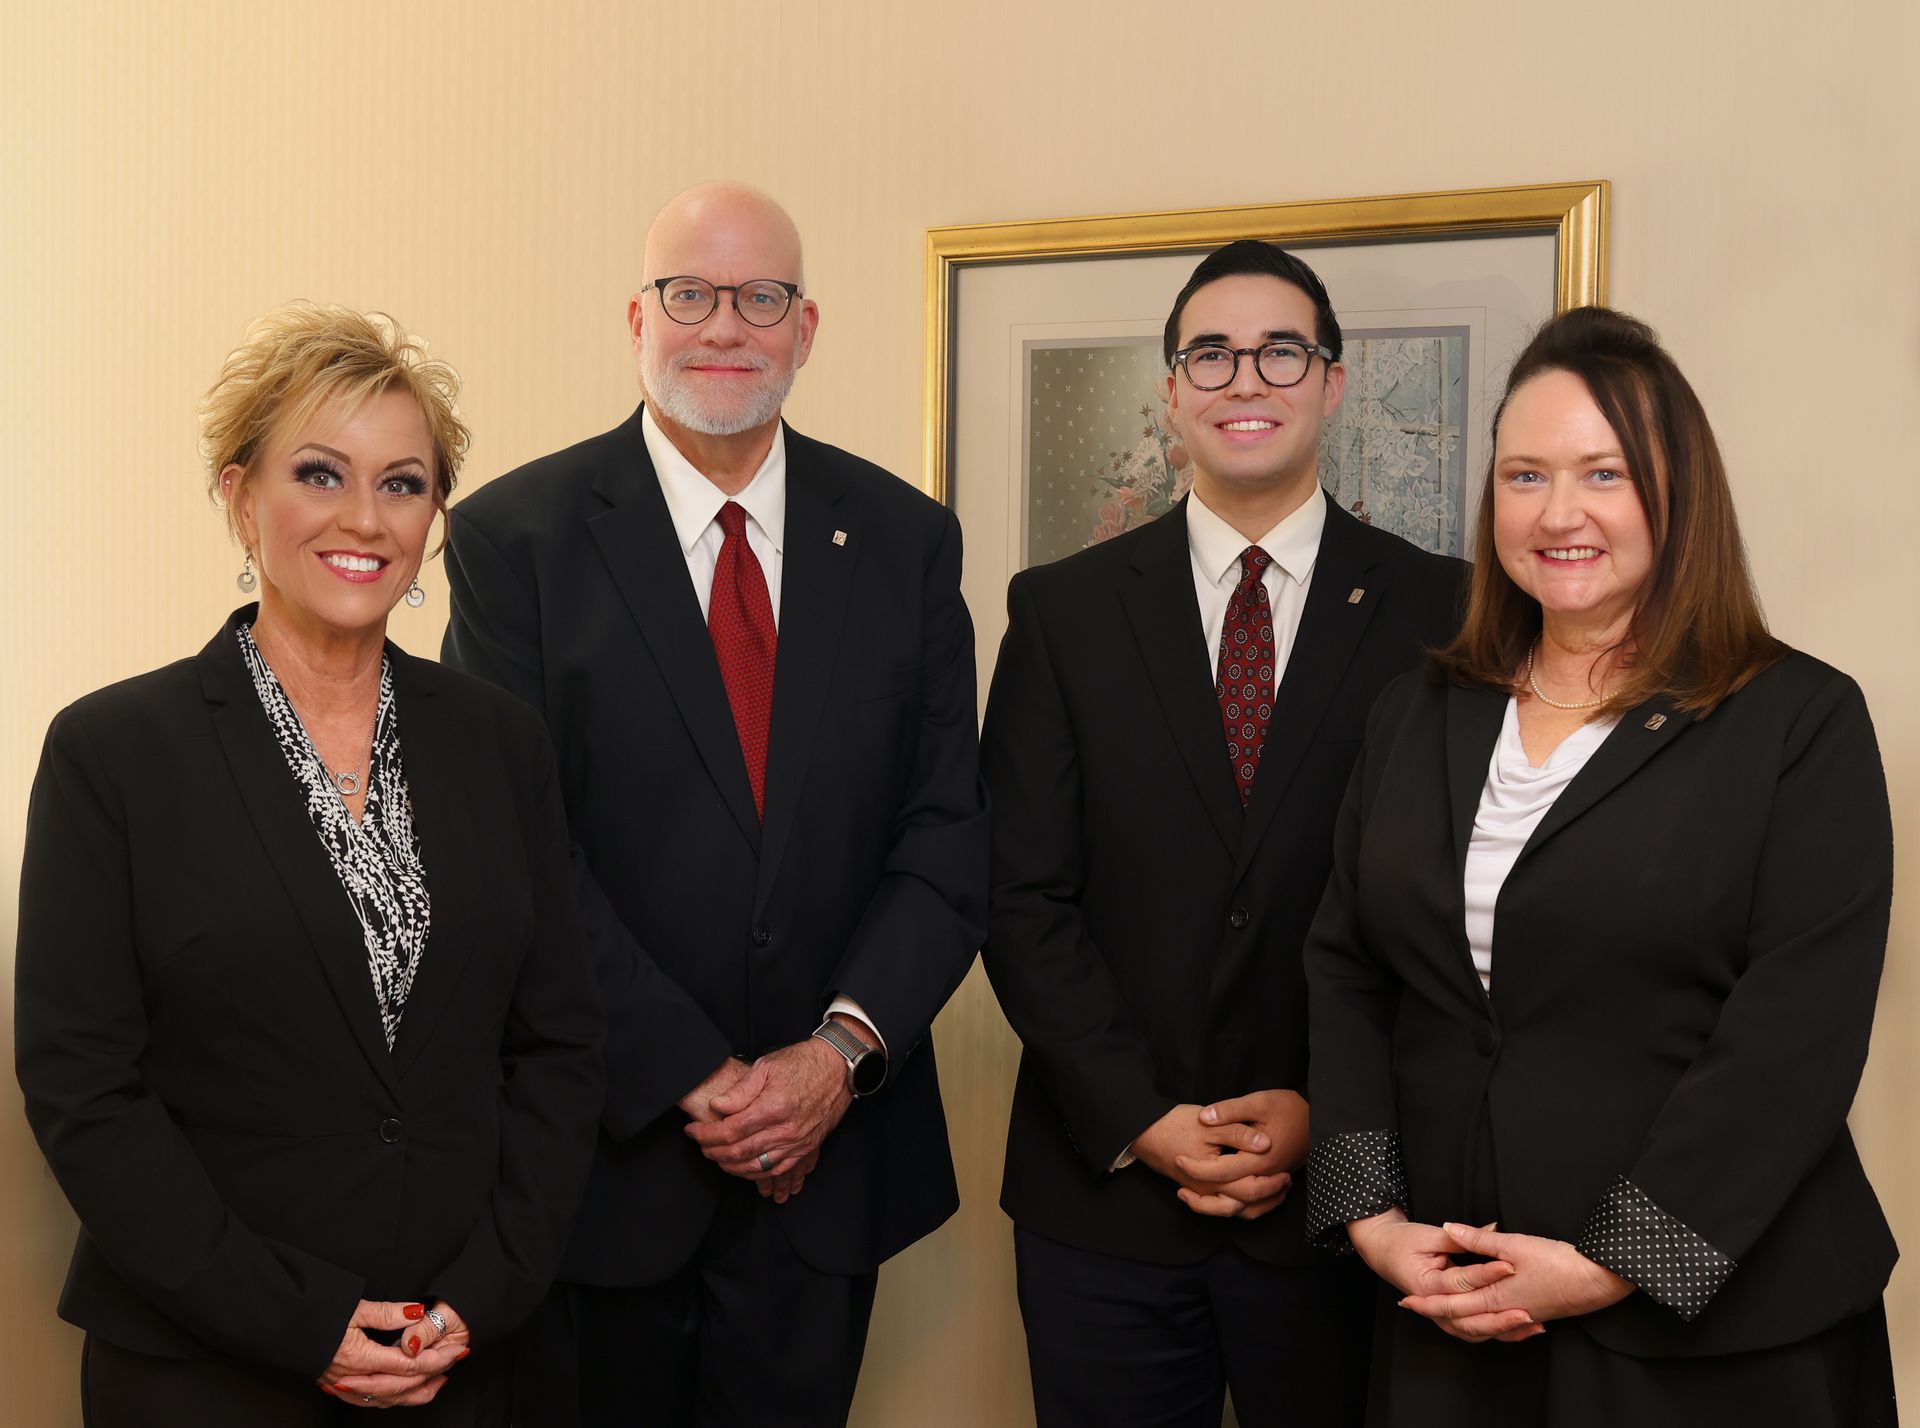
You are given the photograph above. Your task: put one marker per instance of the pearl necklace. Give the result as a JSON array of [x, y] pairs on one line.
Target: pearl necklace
[[1534, 685]]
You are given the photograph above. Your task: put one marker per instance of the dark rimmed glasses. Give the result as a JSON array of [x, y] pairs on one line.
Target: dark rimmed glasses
[[1211, 365], [763, 302]]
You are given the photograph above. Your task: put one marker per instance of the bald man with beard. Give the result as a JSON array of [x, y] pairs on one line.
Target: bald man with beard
[[752, 654]]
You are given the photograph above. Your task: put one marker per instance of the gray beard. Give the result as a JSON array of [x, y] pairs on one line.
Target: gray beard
[[673, 398]]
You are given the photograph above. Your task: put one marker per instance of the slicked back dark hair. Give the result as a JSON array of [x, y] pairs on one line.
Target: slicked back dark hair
[[1251, 255]]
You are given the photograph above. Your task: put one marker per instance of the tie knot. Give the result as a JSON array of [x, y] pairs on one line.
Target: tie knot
[[1253, 564], [733, 520]]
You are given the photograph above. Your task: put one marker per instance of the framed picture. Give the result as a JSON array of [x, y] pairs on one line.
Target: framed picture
[[1046, 386]]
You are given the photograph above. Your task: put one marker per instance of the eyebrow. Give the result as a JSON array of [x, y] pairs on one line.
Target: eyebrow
[[1277, 334], [347, 460]]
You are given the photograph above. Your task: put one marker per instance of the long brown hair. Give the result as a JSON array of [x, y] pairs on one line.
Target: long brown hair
[[1697, 633]]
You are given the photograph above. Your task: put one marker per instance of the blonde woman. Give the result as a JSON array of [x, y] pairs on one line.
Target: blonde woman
[[305, 1022]]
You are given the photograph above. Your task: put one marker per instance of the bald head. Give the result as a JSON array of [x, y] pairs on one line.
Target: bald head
[[724, 232]]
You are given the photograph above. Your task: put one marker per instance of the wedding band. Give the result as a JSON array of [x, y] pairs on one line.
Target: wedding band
[[437, 1319], [764, 1163]]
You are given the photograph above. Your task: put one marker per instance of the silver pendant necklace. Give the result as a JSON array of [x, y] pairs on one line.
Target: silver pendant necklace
[[349, 782], [1555, 703]]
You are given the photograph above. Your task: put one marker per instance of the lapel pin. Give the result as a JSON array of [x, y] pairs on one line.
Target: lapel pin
[[839, 537], [1656, 721], [1358, 592]]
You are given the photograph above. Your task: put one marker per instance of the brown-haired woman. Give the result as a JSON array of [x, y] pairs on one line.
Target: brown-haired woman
[[1599, 956], [304, 1015]]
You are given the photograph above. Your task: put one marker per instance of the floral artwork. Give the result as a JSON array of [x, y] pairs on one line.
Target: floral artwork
[[1102, 458], [1393, 454]]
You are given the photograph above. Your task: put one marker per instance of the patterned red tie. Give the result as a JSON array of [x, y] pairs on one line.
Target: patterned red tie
[[740, 620], [1244, 684]]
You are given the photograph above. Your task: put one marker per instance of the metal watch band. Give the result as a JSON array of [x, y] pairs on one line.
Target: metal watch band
[[856, 1052]]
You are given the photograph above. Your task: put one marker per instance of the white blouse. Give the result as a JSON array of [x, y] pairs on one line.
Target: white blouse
[[1516, 797]]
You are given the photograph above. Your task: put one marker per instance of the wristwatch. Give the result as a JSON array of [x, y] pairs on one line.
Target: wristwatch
[[866, 1065]]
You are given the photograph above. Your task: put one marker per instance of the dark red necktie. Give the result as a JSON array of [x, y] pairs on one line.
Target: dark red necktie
[[1244, 682], [740, 620]]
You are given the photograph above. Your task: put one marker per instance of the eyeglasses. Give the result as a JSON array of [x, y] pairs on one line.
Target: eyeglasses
[[762, 302], [1210, 366]]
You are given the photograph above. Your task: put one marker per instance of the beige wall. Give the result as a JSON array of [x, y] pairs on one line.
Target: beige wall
[[169, 170]]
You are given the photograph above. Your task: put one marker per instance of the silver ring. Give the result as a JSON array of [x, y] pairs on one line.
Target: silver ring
[[765, 1163], [366, 1398], [437, 1319]]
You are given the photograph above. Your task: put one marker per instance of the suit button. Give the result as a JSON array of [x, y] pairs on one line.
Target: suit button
[[1238, 918], [1485, 1039], [762, 937], [391, 1131]]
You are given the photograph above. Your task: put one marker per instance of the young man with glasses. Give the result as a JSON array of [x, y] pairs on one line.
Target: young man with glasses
[[752, 654], [1168, 735]]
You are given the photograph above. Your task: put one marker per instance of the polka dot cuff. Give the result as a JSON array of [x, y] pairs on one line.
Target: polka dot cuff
[[1350, 1177], [1630, 1235]]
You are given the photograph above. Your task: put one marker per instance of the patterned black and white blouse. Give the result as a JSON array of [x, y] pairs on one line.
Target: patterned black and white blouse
[[376, 859]]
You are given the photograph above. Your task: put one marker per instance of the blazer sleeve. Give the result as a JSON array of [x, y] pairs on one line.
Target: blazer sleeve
[[1053, 983], [928, 914], [1354, 1170], [660, 1042], [550, 1088], [80, 1032], [1762, 1102]]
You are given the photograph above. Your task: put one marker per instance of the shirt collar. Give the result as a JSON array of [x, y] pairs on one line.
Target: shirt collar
[[694, 502], [1294, 543]]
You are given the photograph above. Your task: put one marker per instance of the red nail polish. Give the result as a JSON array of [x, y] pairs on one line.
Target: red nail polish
[[461, 1355], [414, 1311], [413, 1345]]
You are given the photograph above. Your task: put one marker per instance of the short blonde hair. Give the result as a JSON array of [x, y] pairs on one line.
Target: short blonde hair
[[304, 356]]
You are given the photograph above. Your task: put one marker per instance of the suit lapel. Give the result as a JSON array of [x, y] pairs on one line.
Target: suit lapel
[[278, 812], [636, 539], [1640, 734], [436, 748], [1474, 717], [1332, 625], [815, 583], [1165, 614]]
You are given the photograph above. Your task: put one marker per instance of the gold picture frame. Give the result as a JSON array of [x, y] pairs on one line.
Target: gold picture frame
[[1575, 214]]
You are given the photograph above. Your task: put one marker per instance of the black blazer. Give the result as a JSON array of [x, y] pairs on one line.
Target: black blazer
[[711, 934], [201, 1048], [1146, 931], [1685, 964]]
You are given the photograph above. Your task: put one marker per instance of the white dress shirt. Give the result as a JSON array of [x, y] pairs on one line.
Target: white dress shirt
[[1515, 798], [693, 504], [1215, 547]]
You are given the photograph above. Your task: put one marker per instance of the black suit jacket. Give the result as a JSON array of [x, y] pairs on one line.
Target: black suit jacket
[[202, 1052], [1146, 930], [713, 935], [1686, 958]]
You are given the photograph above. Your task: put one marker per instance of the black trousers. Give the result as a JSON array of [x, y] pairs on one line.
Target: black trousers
[[123, 1389], [1123, 1344], [747, 1333]]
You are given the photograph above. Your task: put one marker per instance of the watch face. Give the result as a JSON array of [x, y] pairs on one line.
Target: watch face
[[868, 1073]]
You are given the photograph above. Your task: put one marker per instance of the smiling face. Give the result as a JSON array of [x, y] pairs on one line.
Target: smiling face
[[1568, 523], [1249, 438], [337, 514], [721, 376]]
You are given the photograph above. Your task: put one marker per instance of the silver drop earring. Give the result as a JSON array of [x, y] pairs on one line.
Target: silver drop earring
[[416, 597], [246, 579]]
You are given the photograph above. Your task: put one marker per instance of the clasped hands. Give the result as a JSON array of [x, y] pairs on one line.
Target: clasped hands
[[1525, 1281], [1232, 1158], [782, 1106], [370, 1374]]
